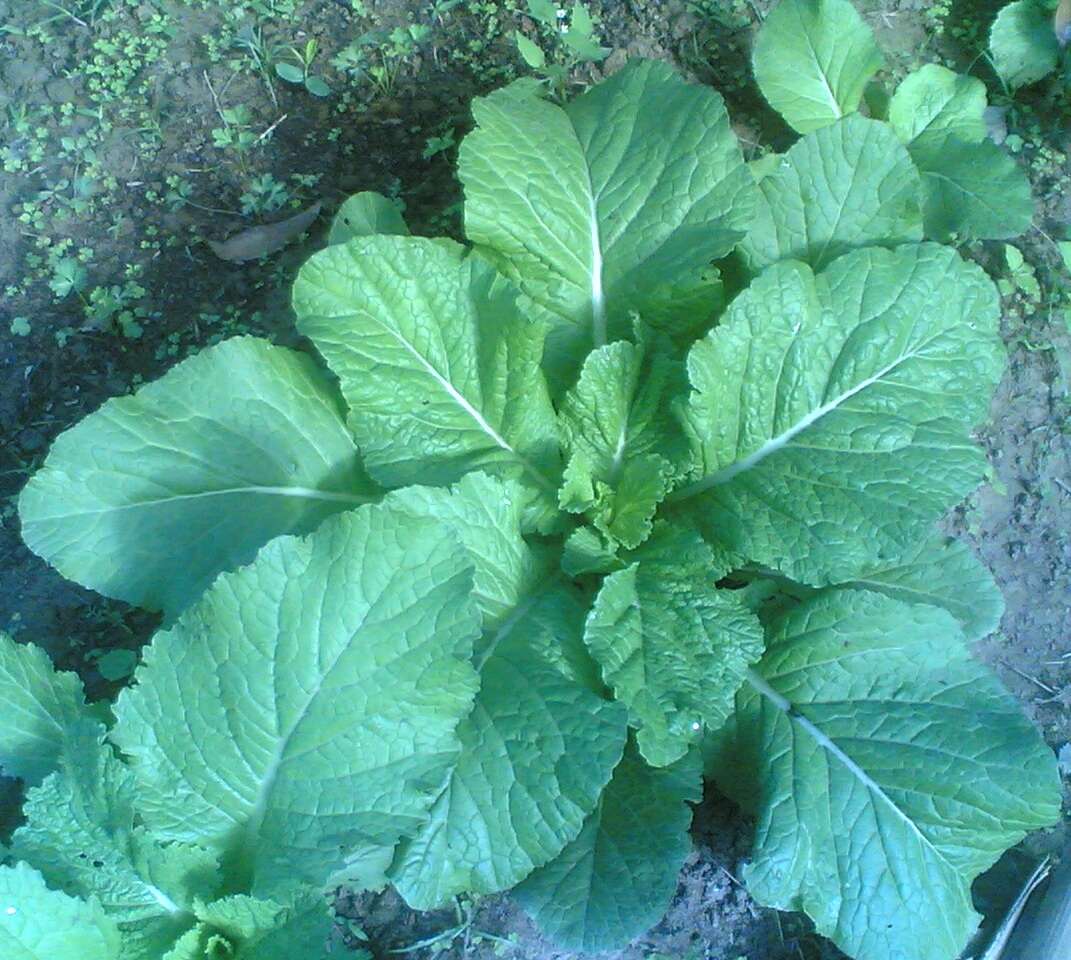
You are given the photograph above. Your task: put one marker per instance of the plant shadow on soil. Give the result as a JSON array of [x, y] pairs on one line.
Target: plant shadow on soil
[[1018, 524]]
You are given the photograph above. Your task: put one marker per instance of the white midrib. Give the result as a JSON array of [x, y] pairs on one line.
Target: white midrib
[[771, 446], [598, 298], [823, 740]]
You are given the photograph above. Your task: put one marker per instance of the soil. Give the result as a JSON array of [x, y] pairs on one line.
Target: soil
[[63, 368]]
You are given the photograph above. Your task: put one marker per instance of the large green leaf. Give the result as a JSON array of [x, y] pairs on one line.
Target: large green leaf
[[536, 752], [308, 702], [41, 707], [617, 878], [831, 415], [614, 203], [813, 59], [80, 833], [891, 770], [848, 185], [622, 442], [672, 646], [41, 924], [149, 498], [1023, 43], [436, 361], [972, 189]]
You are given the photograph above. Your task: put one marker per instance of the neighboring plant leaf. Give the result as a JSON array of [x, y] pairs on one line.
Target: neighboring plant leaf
[[366, 214], [290, 72], [622, 440], [41, 707], [536, 753], [80, 833], [849, 185], [972, 188], [265, 238], [41, 924], [485, 514], [813, 60], [307, 703], [672, 647], [831, 416], [149, 498], [617, 878], [436, 361], [1023, 43], [893, 769], [624, 198]]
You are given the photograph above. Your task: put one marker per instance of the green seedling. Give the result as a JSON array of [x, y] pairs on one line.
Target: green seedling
[[570, 42], [300, 71]]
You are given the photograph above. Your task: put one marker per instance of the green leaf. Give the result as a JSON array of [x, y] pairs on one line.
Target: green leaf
[[673, 648], [849, 185], [587, 551], [290, 72], [317, 87], [614, 204], [943, 573], [621, 439], [972, 189], [80, 833], [152, 496], [617, 878], [536, 752], [1023, 43], [41, 924], [531, 52], [437, 363], [366, 214], [893, 769], [301, 931], [935, 103], [813, 60], [307, 703], [831, 415], [41, 707]]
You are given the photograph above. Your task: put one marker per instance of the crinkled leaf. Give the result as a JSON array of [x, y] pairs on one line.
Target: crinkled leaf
[[587, 551], [672, 646], [831, 415], [149, 498], [848, 185], [935, 103], [485, 514], [891, 769], [813, 59], [301, 931], [438, 364], [536, 752], [41, 707], [307, 703], [613, 204], [366, 214], [617, 878], [621, 440], [1023, 43], [41, 924], [80, 833]]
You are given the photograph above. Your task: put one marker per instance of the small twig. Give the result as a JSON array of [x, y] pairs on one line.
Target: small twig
[[1026, 676], [1063, 486], [270, 130], [215, 99]]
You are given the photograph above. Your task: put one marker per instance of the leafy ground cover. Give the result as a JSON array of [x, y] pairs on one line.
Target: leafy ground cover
[[1032, 420]]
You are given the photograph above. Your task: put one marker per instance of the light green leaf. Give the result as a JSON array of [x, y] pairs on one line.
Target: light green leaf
[[621, 439], [1023, 43], [152, 496], [972, 189], [893, 769], [485, 515], [943, 573], [618, 204], [366, 214], [307, 703], [617, 878], [301, 931], [80, 834], [586, 551], [41, 707], [813, 60], [672, 647], [436, 361], [848, 185], [536, 752], [831, 416], [41, 924], [935, 103], [531, 52], [290, 72]]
